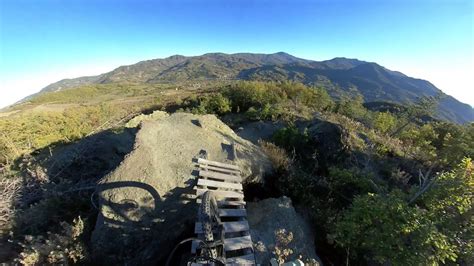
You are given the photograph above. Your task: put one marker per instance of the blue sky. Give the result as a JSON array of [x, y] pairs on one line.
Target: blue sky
[[42, 41]]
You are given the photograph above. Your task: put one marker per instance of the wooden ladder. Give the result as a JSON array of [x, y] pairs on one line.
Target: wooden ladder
[[225, 182]]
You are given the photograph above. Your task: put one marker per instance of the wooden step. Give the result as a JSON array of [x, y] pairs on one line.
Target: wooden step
[[231, 203], [220, 176], [221, 170], [248, 259], [220, 193], [218, 164], [232, 213], [229, 227], [218, 184], [222, 203], [237, 243], [230, 244]]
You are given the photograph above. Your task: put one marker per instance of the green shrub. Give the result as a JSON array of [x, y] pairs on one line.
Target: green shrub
[[349, 182], [393, 230], [421, 138], [245, 95], [291, 138], [217, 104], [300, 94], [384, 122], [267, 112], [213, 104], [352, 108]]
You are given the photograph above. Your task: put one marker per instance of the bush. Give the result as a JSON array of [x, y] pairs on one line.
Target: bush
[[394, 230], [348, 182], [291, 138], [278, 156], [300, 94], [384, 122], [213, 104], [268, 112], [245, 95], [352, 108], [421, 139]]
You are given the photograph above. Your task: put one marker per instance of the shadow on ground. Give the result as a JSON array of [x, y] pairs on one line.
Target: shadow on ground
[[143, 232], [58, 183]]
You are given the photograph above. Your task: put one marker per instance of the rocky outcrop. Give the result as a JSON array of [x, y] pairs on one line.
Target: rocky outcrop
[[329, 140], [156, 115], [279, 232], [146, 204]]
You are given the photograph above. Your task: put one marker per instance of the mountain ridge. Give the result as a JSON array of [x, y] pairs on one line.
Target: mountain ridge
[[373, 81]]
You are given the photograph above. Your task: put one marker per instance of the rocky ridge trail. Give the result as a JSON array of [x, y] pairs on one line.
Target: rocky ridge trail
[[145, 203]]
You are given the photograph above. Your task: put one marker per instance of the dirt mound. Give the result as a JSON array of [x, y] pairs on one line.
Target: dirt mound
[[156, 115], [279, 232], [144, 204]]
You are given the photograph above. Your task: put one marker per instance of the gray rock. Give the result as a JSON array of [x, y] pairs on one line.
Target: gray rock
[[277, 228], [330, 140]]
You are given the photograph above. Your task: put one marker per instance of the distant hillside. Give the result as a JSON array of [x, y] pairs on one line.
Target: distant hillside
[[373, 81]]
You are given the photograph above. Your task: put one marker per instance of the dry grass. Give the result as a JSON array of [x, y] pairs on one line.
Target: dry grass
[[10, 189], [278, 156], [62, 248]]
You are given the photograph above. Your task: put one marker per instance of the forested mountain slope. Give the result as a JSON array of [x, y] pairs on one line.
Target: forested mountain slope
[[338, 76]]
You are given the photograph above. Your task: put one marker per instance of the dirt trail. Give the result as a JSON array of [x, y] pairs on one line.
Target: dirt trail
[[144, 203]]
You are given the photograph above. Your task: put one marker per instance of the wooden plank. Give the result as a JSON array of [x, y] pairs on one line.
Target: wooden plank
[[222, 170], [218, 164], [237, 243], [220, 176], [238, 226], [248, 259], [231, 203], [230, 244], [229, 227], [220, 193], [221, 203], [232, 213], [218, 184]]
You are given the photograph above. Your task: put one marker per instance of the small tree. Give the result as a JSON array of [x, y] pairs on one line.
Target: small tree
[[352, 108], [384, 122], [432, 228], [425, 106]]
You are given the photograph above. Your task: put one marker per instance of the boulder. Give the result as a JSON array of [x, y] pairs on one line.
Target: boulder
[[259, 130], [330, 141], [279, 232], [146, 203]]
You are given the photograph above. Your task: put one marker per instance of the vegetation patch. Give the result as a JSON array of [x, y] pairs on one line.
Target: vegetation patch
[[381, 186]]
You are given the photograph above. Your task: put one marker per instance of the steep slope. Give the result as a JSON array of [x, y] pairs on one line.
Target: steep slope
[[69, 83], [337, 75]]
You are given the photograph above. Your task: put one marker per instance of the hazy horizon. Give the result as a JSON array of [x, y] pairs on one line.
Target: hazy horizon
[[46, 41]]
